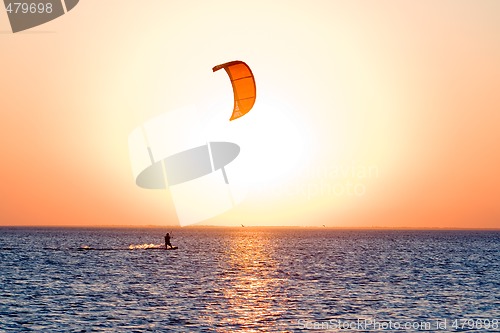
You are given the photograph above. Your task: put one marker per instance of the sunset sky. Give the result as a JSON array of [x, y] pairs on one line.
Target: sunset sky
[[368, 113]]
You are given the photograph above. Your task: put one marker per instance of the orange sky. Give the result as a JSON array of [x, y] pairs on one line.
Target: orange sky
[[393, 109]]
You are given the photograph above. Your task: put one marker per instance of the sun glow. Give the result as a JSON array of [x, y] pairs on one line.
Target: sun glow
[[272, 143]]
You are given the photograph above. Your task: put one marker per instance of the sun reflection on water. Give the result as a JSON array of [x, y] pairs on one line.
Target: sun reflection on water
[[251, 283]]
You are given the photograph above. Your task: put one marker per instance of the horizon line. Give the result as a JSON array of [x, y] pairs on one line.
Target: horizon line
[[247, 227]]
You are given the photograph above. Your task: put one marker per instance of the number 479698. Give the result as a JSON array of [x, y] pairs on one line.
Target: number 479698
[[475, 324], [29, 8]]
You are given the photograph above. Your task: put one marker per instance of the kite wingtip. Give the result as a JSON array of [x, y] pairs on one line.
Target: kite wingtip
[[216, 68], [236, 115]]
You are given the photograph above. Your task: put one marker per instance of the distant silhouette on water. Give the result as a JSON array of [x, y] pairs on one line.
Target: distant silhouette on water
[[167, 241]]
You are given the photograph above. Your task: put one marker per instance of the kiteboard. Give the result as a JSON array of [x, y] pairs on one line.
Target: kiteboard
[[162, 248]]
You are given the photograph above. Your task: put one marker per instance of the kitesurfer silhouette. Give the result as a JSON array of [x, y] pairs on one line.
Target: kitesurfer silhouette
[[167, 241]]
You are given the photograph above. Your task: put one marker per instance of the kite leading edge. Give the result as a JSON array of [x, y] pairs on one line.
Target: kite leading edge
[[243, 84]]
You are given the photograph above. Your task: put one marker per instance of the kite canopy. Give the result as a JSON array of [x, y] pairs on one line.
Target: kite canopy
[[243, 86]]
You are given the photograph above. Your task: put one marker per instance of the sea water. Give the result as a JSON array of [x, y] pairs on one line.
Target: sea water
[[249, 280]]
